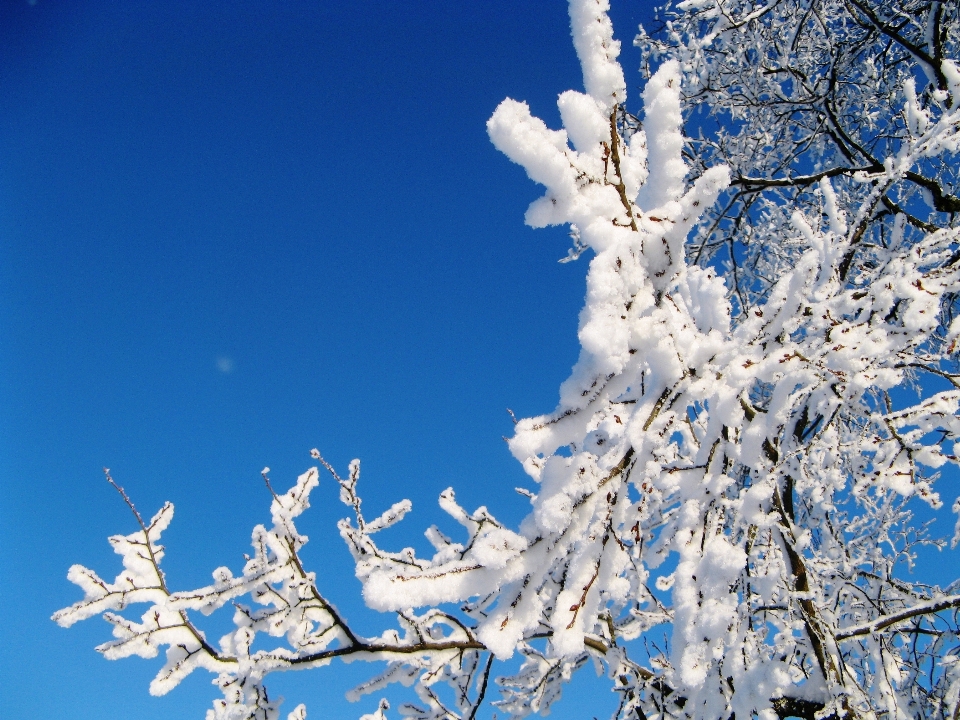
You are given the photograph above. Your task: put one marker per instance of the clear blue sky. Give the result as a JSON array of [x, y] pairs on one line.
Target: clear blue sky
[[234, 231]]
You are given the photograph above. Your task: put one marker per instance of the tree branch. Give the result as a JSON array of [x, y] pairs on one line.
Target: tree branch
[[885, 621]]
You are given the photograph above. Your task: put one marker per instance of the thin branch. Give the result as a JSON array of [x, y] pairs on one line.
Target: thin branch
[[198, 636], [885, 621], [483, 688]]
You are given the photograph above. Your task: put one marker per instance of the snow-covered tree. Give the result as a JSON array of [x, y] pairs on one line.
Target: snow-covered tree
[[767, 384]]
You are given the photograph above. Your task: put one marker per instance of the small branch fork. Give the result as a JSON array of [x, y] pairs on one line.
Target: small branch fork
[[201, 640]]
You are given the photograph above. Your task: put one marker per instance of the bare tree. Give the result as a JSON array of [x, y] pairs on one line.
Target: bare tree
[[766, 383]]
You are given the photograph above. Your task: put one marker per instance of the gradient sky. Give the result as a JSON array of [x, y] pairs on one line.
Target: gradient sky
[[234, 231]]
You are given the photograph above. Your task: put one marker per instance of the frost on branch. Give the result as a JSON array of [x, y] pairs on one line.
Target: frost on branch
[[723, 501]]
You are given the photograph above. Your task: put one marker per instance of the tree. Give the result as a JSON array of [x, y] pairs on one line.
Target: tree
[[767, 383]]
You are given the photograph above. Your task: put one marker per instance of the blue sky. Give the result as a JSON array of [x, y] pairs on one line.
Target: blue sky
[[234, 231]]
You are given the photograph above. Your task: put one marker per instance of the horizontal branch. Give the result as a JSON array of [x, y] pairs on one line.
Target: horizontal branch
[[885, 621], [942, 201], [383, 648], [801, 180]]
